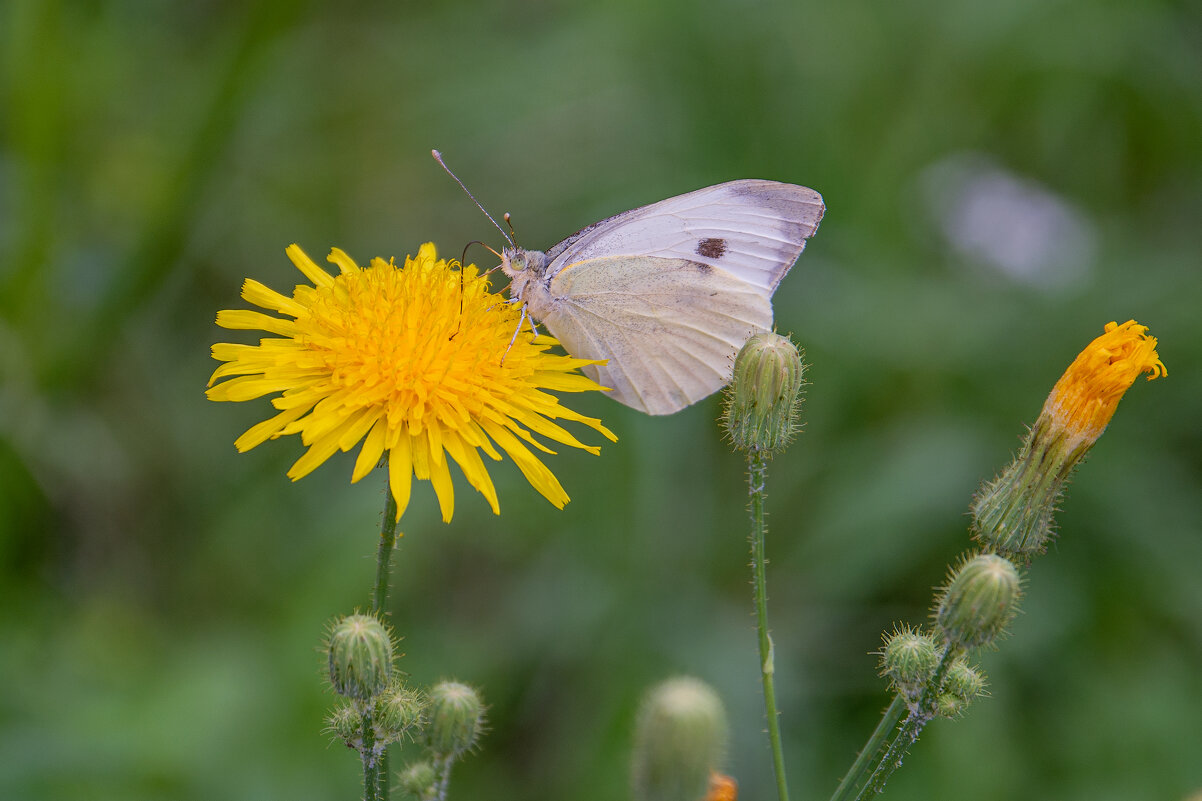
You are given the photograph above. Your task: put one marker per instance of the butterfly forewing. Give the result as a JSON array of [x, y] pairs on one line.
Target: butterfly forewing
[[753, 229]]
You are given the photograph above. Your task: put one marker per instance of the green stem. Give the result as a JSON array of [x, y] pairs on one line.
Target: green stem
[[442, 773], [908, 733], [387, 545], [889, 719], [371, 766], [757, 474], [376, 776]]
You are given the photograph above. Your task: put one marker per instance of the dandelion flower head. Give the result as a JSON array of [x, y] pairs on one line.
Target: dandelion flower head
[[418, 363], [1085, 397]]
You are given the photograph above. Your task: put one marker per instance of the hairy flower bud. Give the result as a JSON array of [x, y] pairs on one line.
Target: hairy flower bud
[[346, 723], [979, 601], [964, 681], [679, 740], [909, 660], [764, 394], [418, 780], [948, 705], [360, 653], [456, 719], [397, 711]]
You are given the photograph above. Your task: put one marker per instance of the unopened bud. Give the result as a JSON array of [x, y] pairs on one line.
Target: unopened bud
[[909, 659], [963, 680], [346, 723], [456, 719], [396, 711], [764, 394], [950, 706], [360, 651], [418, 780], [979, 601], [679, 740]]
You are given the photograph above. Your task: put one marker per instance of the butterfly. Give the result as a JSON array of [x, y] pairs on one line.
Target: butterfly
[[666, 293], [669, 292]]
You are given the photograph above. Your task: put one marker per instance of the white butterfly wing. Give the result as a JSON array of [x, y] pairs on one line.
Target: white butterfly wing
[[669, 292], [753, 229], [669, 327]]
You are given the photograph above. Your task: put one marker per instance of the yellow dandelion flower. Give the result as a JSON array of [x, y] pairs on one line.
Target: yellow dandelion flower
[[415, 363], [1085, 397], [1013, 513]]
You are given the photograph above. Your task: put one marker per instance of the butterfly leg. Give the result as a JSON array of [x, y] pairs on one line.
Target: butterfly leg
[[516, 331]]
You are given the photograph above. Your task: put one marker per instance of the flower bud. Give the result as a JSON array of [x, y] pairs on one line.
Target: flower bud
[[346, 723], [964, 681], [764, 394], [418, 780], [679, 739], [360, 651], [456, 719], [909, 659], [979, 601], [396, 711], [948, 705]]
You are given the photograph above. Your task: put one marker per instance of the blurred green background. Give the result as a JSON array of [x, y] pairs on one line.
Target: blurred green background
[[1002, 179]]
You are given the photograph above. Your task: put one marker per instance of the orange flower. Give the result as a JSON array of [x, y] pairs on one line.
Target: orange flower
[[1085, 397], [722, 788], [1013, 513]]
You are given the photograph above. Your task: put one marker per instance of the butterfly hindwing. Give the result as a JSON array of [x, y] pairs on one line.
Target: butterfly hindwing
[[669, 327]]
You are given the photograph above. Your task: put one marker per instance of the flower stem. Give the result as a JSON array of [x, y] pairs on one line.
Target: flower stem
[[907, 734], [889, 719], [375, 767], [384, 553], [371, 765], [757, 474], [442, 769]]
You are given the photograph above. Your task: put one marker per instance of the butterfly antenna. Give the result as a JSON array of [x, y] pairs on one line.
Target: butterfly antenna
[[509, 222], [443, 164]]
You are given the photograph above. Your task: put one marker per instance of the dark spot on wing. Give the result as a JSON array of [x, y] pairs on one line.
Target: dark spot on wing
[[701, 267], [711, 248]]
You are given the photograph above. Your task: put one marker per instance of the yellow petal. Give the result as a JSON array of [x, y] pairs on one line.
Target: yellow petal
[[267, 298], [246, 320], [440, 479], [400, 474], [345, 263], [372, 450], [269, 428], [318, 276], [469, 462], [535, 471]]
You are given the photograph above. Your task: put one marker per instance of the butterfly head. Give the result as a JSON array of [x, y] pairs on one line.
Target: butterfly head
[[527, 278], [517, 262]]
